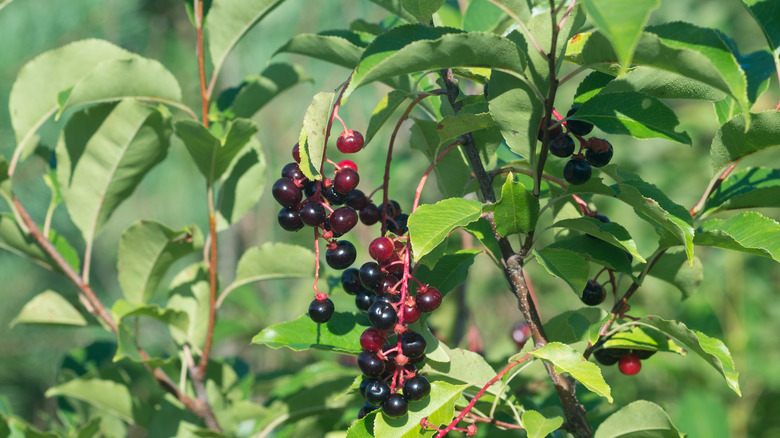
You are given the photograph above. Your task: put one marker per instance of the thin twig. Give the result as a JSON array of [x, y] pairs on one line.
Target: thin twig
[[715, 182]]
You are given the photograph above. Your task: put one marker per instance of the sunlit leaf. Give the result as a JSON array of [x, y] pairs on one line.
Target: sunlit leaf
[[49, 307]]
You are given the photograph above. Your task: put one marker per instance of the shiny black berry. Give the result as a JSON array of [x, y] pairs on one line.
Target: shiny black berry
[[562, 146], [289, 219], [593, 294], [366, 409], [578, 127], [342, 256], [334, 197], [312, 213], [599, 158], [412, 345], [577, 171], [286, 192], [398, 226], [363, 300], [428, 300], [370, 214], [642, 354], [416, 388], [371, 276], [377, 392], [321, 311], [342, 220], [382, 315], [370, 364], [604, 357], [395, 406], [357, 200], [350, 281], [293, 171]]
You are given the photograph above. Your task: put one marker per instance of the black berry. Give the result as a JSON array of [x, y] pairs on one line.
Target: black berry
[[370, 214], [342, 255], [577, 171], [395, 406], [412, 344], [558, 130], [371, 276], [363, 300], [562, 146], [286, 192], [289, 219], [604, 357], [600, 152], [382, 315], [334, 197], [350, 281], [593, 294], [397, 225], [578, 127], [342, 220], [643, 354], [377, 392], [345, 181], [321, 311], [428, 300], [312, 213], [416, 388], [370, 364]]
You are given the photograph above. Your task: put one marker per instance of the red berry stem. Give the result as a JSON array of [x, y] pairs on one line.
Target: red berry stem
[[583, 206], [337, 116]]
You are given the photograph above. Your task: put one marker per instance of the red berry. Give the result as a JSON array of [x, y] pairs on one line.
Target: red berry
[[296, 153], [348, 163], [520, 334], [429, 299], [372, 340], [381, 249], [345, 181], [629, 365], [350, 141], [411, 314]]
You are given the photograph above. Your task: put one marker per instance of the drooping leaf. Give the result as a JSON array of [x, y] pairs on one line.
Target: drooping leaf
[[596, 251], [258, 90], [732, 142], [340, 334], [640, 419], [643, 338], [340, 48], [517, 211], [574, 325], [123, 309], [566, 359], [431, 223], [748, 232], [312, 137], [755, 187], [612, 233], [14, 239], [450, 272], [621, 23], [632, 113], [663, 85], [396, 8], [464, 367], [49, 307], [422, 9], [228, 21], [120, 78], [767, 14], [537, 426], [759, 67], [243, 181], [146, 250], [33, 98], [211, 154], [104, 394], [712, 350], [516, 110], [103, 154], [452, 170], [439, 407], [591, 85], [413, 48], [566, 265], [382, 113], [273, 261], [673, 267]]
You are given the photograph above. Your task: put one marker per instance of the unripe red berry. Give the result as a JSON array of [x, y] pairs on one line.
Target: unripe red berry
[[372, 339], [348, 163], [629, 365], [520, 334], [296, 153], [350, 141], [381, 248]]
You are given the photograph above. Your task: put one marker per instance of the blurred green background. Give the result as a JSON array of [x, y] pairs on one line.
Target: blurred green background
[[737, 301]]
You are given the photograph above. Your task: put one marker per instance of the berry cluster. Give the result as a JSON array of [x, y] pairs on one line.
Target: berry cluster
[[597, 151], [629, 361]]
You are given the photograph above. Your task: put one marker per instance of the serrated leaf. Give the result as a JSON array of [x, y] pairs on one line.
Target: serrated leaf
[[537, 426], [146, 250], [49, 307], [103, 154], [596, 251], [640, 419], [767, 14], [413, 48], [621, 22], [422, 9], [611, 233], [591, 85], [312, 137], [673, 267], [120, 78], [452, 171], [363, 428], [643, 338], [566, 359], [566, 265], [748, 232], [228, 21], [243, 180], [733, 142], [14, 239], [636, 114], [450, 271], [464, 122], [396, 8], [430, 224], [754, 187], [340, 48], [123, 309], [382, 113], [340, 334], [33, 98], [663, 85], [574, 325], [439, 407], [482, 230], [104, 394], [211, 154], [517, 211], [273, 261], [758, 67], [712, 350], [256, 91], [464, 367]]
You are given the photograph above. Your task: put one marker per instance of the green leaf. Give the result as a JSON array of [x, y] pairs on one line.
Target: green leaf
[[591, 86], [120, 78], [482, 230], [758, 66], [540, 26], [464, 367], [733, 142], [621, 23], [748, 232], [516, 110], [574, 325], [103, 154], [256, 91], [712, 350], [767, 14], [452, 170], [49, 307], [363, 428], [212, 155], [566, 265], [643, 338], [123, 309], [566, 359], [481, 15], [596, 251], [340, 48], [673, 268], [243, 180], [640, 419], [396, 8], [435, 350], [464, 122], [228, 21], [439, 407], [663, 85], [107, 395], [537, 426], [127, 348], [33, 98], [422, 9], [189, 294], [273, 261], [382, 113], [431, 224], [340, 334], [312, 137], [517, 211], [450, 271], [146, 250], [14, 239], [413, 48], [611, 233], [754, 187], [636, 114]]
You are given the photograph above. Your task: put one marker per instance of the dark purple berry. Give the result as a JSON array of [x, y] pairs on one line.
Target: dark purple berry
[[428, 300], [357, 200], [309, 188], [593, 294], [411, 314], [377, 392], [372, 339], [393, 208], [312, 213], [334, 197], [350, 281], [363, 300], [600, 152], [289, 219], [286, 192], [371, 276], [342, 220], [397, 225], [577, 171], [321, 311], [370, 364], [395, 406], [382, 315], [342, 256], [412, 344], [293, 172], [416, 388], [562, 146], [363, 384], [578, 127], [346, 180], [604, 358], [370, 214]]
